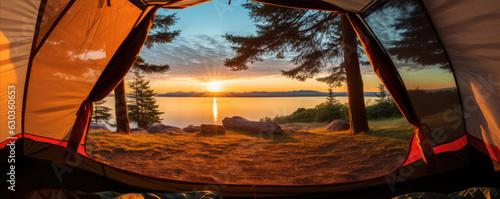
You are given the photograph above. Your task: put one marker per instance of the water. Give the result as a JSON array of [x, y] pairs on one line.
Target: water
[[184, 111]]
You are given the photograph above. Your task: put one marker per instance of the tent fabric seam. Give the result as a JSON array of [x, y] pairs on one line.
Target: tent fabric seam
[[333, 9], [384, 67], [56, 22], [449, 62], [96, 93], [369, 6], [41, 10], [139, 4]]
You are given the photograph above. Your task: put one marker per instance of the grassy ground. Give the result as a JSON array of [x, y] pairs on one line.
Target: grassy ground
[[306, 156]]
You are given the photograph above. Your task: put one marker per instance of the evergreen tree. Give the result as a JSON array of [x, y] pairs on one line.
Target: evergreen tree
[[101, 113], [418, 42], [330, 100], [142, 107], [160, 33], [382, 94], [316, 39]]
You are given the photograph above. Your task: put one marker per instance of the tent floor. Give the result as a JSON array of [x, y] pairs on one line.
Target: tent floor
[[32, 174]]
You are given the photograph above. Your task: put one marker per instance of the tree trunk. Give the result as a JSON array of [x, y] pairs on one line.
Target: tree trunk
[[121, 111], [357, 111]]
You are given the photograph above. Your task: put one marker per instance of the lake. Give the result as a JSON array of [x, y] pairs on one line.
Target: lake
[[184, 111]]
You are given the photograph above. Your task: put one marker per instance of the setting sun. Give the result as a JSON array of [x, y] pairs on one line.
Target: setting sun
[[214, 86]]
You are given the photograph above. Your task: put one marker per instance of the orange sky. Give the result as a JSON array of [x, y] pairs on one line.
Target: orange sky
[[424, 79], [197, 56]]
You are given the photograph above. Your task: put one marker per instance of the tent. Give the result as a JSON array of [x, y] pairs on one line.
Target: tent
[[59, 56]]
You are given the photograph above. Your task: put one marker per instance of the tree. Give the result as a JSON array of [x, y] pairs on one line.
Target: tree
[[317, 39], [357, 110], [101, 113], [143, 109], [382, 94], [330, 100], [418, 42], [160, 33]]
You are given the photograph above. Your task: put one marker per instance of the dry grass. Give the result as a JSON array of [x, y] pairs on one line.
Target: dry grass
[[311, 157]]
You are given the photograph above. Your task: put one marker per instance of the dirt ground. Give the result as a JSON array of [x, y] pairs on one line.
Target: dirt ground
[[295, 157]]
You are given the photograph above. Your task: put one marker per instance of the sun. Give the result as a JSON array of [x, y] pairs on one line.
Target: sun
[[214, 86]]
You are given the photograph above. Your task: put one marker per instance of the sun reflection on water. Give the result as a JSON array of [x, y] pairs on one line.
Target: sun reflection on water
[[214, 109]]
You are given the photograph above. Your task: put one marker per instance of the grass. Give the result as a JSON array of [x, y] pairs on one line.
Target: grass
[[306, 156], [307, 125]]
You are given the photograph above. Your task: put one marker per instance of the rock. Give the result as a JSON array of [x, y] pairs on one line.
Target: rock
[[212, 129], [162, 128], [99, 127], [237, 122], [138, 130], [192, 129], [337, 125]]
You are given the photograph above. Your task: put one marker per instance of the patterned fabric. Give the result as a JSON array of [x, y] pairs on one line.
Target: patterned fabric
[[471, 193], [65, 194]]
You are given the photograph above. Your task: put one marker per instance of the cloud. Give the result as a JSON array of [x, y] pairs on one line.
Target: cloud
[[202, 57]]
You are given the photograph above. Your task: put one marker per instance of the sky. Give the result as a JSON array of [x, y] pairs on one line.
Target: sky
[[197, 56]]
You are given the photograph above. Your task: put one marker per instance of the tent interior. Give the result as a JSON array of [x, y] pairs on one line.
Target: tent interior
[[57, 57]]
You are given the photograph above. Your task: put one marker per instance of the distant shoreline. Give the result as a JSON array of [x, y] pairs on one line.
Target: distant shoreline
[[253, 96], [298, 93]]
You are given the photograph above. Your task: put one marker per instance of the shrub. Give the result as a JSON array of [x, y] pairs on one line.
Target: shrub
[[266, 119], [303, 115], [328, 112], [321, 113], [325, 112], [383, 110]]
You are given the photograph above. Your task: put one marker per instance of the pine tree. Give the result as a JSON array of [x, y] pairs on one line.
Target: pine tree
[[101, 113], [330, 100], [142, 107], [160, 33], [418, 43], [382, 94]]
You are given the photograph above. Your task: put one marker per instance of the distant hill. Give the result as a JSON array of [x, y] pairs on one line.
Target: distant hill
[[300, 93]]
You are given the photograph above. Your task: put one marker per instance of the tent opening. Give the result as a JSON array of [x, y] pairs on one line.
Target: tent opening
[[275, 122]]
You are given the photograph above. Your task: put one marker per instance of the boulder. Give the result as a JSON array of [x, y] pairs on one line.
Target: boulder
[[162, 128], [192, 129], [237, 122], [337, 125], [99, 127], [212, 129], [138, 130]]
